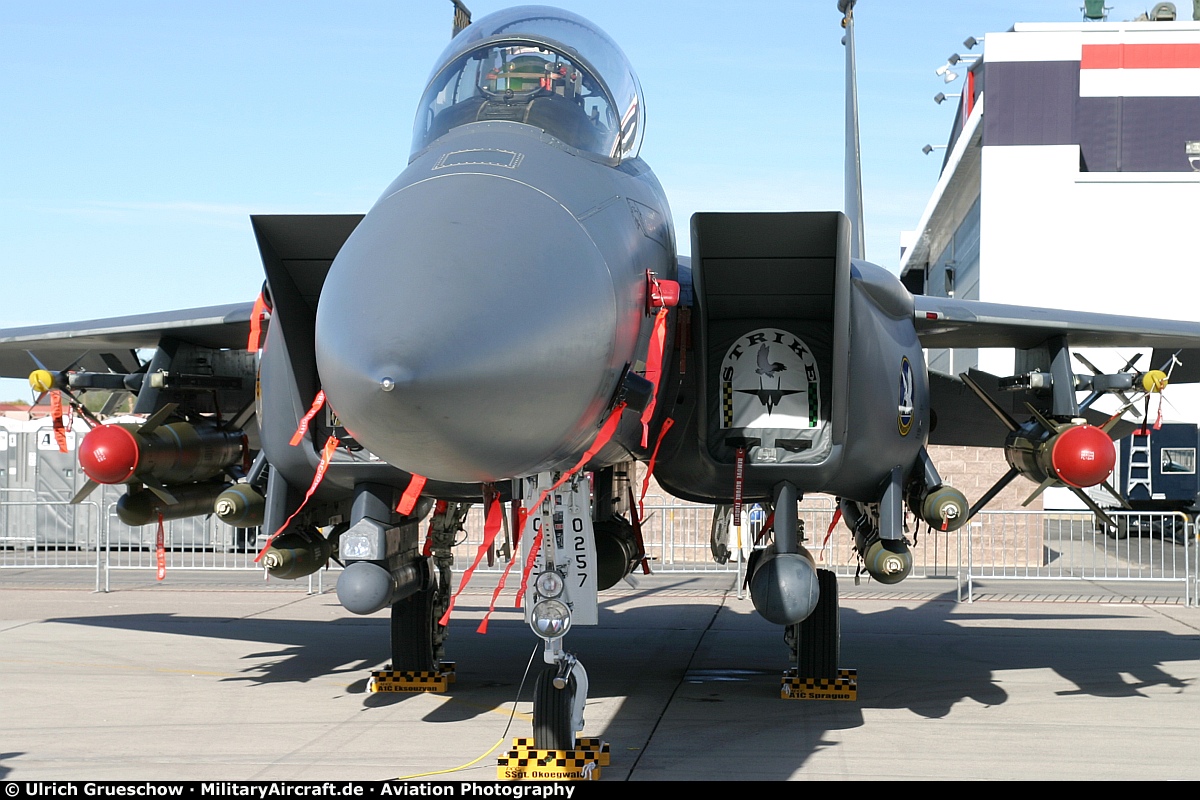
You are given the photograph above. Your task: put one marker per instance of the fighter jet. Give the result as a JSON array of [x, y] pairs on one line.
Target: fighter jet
[[512, 315]]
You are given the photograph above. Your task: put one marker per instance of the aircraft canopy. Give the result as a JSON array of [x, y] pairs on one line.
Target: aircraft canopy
[[539, 66]]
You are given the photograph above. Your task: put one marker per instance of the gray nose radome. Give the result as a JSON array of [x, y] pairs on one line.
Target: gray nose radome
[[466, 330]]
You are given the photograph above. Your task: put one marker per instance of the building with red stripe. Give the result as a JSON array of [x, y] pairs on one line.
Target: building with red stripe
[[1066, 183]]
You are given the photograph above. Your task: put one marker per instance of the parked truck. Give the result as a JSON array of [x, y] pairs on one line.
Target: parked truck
[[1156, 474]]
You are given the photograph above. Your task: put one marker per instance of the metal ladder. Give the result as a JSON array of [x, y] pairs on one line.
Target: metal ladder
[[1140, 471]]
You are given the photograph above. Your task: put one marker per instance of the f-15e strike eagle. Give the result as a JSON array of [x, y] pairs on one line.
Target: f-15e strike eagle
[[413, 362]]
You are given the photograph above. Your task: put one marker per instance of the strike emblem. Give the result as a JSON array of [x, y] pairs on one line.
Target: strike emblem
[[769, 379]]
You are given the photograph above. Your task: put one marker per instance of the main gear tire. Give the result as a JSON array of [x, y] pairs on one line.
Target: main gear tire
[[817, 641], [414, 628]]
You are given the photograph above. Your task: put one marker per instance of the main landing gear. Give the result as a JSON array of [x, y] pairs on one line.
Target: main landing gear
[[418, 641], [815, 645], [816, 642], [787, 588]]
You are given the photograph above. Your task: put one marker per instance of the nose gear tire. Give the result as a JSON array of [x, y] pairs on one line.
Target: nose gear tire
[[552, 712]]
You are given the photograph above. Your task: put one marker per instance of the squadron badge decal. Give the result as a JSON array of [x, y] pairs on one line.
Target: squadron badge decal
[[904, 417], [769, 379]]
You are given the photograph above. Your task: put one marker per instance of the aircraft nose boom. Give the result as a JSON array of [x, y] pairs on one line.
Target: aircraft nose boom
[[466, 330]]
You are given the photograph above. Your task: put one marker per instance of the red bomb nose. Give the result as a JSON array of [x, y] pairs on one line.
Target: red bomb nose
[[109, 454], [1083, 456]]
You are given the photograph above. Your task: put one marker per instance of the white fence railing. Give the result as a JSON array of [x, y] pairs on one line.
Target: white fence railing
[[50, 534], [1034, 545], [995, 545]]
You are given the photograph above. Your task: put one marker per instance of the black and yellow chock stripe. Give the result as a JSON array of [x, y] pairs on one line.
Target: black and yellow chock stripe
[[843, 687], [524, 762], [726, 404], [595, 749], [390, 680]]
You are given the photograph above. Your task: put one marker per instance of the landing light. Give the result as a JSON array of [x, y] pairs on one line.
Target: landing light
[[358, 547], [549, 584], [550, 619]]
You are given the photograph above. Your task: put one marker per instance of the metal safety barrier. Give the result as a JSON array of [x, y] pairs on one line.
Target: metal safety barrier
[[37, 534], [677, 538], [192, 543], [1150, 547], [676, 535], [995, 546]]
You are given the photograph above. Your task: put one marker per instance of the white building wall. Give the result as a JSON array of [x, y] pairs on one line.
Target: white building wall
[[1118, 243]]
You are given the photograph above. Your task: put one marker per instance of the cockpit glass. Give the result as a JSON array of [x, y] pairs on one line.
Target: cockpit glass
[[538, 66]]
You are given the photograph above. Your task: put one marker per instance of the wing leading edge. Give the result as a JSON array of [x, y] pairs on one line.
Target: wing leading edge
[[58, 345], [947, 322]]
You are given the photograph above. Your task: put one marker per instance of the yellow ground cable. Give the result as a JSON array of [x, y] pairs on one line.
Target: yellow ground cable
[[492, 749], [499, 742]]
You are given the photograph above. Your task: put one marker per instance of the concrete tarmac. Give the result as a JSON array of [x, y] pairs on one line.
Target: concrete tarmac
[[218, 677]]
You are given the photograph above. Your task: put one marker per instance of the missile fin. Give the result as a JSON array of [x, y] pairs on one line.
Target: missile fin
[[84, 491], [158, 418]]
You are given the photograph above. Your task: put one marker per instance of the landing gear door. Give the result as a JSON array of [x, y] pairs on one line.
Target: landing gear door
[[569, 546]]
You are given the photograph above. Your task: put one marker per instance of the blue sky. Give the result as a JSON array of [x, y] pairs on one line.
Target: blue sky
[[138, 136]]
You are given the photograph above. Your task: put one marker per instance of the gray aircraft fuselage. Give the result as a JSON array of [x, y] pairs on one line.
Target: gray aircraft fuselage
[[476, 325], [481, 322]]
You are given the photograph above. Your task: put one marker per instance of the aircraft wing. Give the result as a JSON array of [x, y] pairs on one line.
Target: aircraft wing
[[111, 341], [947, 322], [1188, 368]]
